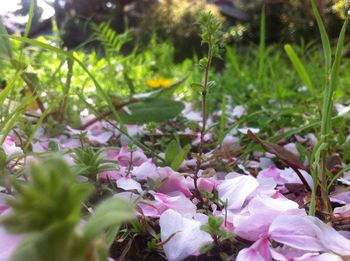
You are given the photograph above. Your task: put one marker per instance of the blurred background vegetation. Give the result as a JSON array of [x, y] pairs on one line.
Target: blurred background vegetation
[[124, 43], [286, 20]]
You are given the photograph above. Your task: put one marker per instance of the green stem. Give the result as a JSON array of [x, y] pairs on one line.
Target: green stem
[[66, 91], [204, 120]]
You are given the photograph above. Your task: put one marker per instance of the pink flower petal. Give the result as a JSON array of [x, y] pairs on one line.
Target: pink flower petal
[[175, 183], [179, 203], [8, 244], [259, 251], [236, 190], [9, 146], [129, 184], [146, 170], [308, 233], [254, 221], [187, 237], [137, 157]]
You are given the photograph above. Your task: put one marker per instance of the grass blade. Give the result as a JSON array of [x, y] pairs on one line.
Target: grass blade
[[324, 37], [30, 18], [40, 120], [262, 47], [5, 45], [299, 67], [338, 55]]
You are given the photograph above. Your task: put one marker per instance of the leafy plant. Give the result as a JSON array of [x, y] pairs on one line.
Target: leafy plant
[[90, 162], [47, 210]]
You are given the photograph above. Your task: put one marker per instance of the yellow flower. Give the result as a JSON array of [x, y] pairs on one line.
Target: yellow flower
[[159, 83]]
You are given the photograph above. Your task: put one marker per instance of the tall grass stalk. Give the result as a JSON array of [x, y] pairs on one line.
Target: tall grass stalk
[[319, 171], [331, 80]]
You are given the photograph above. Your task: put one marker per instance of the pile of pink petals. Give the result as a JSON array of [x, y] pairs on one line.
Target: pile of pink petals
[[256, 209]]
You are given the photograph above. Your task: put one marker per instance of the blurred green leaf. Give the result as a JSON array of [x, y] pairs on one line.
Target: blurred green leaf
[[299, 67], [5, 45], [171, 151], [197, 87], [111, 212], [180, 157], [155, 110]]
